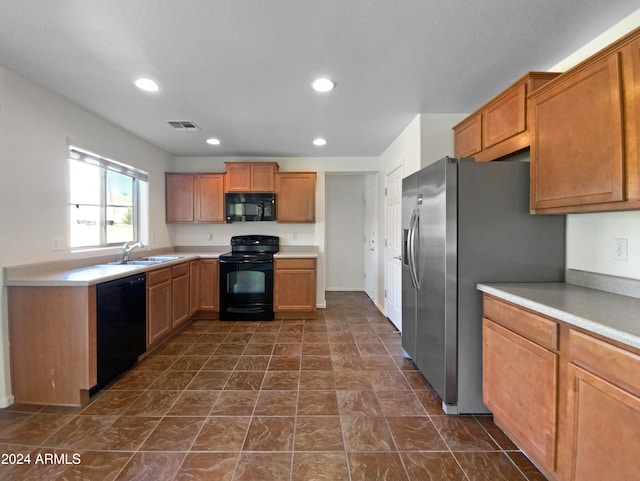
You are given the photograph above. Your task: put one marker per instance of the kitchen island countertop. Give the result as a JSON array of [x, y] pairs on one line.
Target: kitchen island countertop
[[614, 316]]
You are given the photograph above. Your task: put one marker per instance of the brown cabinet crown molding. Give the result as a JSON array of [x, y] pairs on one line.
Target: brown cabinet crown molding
[[499, 128]]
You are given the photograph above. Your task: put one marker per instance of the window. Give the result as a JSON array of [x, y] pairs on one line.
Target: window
[[104, 200]]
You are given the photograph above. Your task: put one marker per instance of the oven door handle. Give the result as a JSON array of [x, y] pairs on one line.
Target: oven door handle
[[246, 261]]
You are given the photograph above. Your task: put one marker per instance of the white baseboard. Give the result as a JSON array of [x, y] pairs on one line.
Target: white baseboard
[[6, 401]]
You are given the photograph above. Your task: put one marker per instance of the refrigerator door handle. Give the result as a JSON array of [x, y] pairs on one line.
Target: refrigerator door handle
[[410, 248], [415, 219]]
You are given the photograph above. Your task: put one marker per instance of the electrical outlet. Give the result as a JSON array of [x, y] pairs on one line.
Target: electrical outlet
[[619, 249], [57, 244]]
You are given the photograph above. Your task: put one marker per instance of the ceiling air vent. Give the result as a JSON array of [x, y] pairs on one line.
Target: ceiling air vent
[[184, 125]]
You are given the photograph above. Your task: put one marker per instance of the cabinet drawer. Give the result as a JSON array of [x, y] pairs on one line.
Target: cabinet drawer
[[180, 270], [539, 329], [294, 263], [619, 366], [158, 276]]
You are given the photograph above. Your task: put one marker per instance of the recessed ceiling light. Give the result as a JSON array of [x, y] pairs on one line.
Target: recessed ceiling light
[[213, 141], [323, 85], [147, 85], [319, 142]]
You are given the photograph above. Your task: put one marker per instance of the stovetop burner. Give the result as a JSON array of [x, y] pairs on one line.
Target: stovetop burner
[[255, 244], [252, 248]]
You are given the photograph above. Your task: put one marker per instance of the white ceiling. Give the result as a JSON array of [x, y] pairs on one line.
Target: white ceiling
[[241, 69]]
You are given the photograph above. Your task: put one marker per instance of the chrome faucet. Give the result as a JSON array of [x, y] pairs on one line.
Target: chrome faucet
[[127, 248]]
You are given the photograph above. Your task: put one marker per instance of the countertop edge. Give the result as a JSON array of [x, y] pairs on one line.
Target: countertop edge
[[611, 331], [64, 277], [61, 277]]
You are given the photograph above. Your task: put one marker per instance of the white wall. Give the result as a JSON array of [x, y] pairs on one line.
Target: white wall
[[590, 236], [34, 201], [436, 136], [345, 231]]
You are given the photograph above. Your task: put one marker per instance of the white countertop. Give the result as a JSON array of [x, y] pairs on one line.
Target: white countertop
[[614, 316], [61, 275], [89, 275], [296, 254]]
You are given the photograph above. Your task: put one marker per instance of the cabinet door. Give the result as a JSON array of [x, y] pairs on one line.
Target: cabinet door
[[604, 429], [631, 59], [577, 150], [209, 203], [179, 197], [296, 196], [262, 179], [209, 285], [238, 177], [158, 312], [294, 285], [505, 118], [194, 286], [180, 297], [520, 385], [467, 137]]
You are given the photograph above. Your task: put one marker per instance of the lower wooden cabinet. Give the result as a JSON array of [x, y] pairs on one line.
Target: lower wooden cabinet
[[568, 399], [53, 344], [603, 410], [520, 380], [194, 284], [294, 285], [180, 294], [159, 310], [208, 290]]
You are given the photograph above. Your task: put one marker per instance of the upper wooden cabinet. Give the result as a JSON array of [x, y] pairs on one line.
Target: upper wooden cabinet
[[250, 176], [499, 128], [194, 197], [585, 134], [295, 196]]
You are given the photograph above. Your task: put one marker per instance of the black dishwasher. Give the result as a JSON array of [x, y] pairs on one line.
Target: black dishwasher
[[122, 325]]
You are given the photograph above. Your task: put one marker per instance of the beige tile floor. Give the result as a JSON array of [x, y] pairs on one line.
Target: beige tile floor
[[330, 398]]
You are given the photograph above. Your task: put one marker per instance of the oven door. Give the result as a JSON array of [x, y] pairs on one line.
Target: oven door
[[246, 289]]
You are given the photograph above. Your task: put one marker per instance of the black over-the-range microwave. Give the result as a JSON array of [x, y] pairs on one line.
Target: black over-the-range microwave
[[248, 207]]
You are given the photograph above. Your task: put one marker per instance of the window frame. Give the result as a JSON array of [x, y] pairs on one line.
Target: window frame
[[105, 165]]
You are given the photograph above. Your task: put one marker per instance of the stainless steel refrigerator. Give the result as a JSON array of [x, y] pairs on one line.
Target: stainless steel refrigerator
[[466, 222]]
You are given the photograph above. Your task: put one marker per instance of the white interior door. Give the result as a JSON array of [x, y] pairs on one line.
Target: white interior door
[[370, 243], [393, 246]]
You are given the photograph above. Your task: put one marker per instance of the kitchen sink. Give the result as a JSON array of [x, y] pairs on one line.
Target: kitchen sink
[[140, 262], [159, 258], [143, 261]]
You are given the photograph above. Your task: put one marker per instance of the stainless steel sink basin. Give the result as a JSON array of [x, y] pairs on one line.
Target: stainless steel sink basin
[[143, 261], [160, 258], [140, 262]]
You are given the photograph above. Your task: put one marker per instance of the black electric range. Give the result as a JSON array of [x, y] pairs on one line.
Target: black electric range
[[246, 278]]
